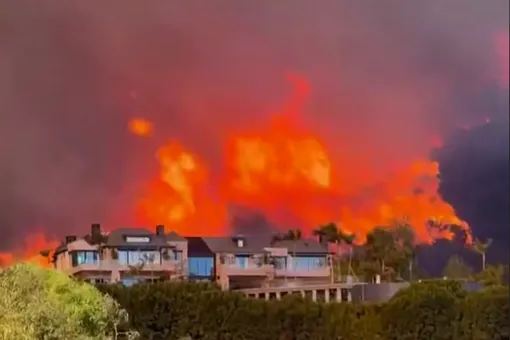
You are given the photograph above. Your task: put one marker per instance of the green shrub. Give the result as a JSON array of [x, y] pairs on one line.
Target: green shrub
[[425, 311], [431, 311], [485, 315]]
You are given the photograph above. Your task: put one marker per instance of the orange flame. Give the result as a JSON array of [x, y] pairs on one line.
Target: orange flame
[[140, 127], [31, 252], [285, 170]]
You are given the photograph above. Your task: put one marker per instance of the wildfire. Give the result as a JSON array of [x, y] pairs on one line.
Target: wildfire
[[31, 252], [286, 171]]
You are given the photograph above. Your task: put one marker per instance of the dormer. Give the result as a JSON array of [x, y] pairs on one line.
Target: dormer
[[239, 240]]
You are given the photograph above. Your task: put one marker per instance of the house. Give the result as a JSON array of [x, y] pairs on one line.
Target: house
[[126, 255], [255, 261]]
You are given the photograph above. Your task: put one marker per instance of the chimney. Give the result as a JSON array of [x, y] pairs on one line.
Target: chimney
[[160, 230], [95, 230], [70, 239]]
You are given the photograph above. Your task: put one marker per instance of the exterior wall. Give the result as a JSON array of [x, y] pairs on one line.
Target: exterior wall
[[110, 269], [182, 266], [233, 267], [377, 292]]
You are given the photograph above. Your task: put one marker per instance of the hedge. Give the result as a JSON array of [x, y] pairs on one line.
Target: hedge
[[431, 311]]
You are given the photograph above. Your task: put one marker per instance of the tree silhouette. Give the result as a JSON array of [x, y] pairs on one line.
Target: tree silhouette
[[456, 268]]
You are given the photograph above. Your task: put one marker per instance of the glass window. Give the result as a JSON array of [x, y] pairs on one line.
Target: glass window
[[280, 262], [136, 257], [177, 255], [84, 257], [242, 261], [308, 262], [201, 266], [128, 281]]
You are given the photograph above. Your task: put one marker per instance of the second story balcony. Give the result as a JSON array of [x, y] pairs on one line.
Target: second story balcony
[[302, 266], [244, 265]]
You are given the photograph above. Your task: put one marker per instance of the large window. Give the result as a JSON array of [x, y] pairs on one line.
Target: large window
[[84, 257], [136, 257], [308, 262], [280, 262], [200, 266], [242, 261]]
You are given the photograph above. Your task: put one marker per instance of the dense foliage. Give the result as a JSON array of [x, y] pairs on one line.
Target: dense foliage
[[433, 310], [37, 303]]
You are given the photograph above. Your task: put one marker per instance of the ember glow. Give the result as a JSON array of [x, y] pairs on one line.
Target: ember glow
[[140, 127], [286, 171]]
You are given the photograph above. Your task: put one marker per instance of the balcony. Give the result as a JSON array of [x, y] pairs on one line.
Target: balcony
[[244, 266], [83, 267], [297, 272]]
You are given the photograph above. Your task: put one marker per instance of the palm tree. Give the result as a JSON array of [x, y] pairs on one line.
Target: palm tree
[[332, 234], [292, 235], [481, 248]]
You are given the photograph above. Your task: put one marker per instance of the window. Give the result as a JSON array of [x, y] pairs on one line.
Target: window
[[84, 257], [136, 257], [242, 261], [201, 266], [280, 262], [308, 262], [177, 255], [138, 239], [128, 281]]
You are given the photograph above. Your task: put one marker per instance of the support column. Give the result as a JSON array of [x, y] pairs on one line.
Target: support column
[[338, 295], [266, 295], [326, 295], [314, 294]]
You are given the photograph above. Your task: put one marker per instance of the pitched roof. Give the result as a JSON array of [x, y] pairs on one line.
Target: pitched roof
[[117, 238], [197, 247], [256, 244]]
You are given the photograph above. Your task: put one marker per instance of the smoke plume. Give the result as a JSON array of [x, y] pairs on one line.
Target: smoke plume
[[387, 78]]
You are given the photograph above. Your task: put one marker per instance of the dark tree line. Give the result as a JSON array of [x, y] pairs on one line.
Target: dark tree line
[[430, 311]]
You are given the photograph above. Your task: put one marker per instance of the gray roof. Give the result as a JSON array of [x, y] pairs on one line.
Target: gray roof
[[256, 244], [117, 238]]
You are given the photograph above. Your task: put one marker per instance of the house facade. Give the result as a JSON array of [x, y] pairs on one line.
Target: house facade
[[244, 262], [126, 255], [130, 255]]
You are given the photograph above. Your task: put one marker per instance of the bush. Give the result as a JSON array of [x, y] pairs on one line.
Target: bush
[[37, 303], [429, 311], [485, 315], [423, 311]]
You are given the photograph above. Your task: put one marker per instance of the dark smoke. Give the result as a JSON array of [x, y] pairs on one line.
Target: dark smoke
[[385, 77]]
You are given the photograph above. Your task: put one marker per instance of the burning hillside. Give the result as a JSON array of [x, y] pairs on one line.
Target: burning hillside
[[286, 171]]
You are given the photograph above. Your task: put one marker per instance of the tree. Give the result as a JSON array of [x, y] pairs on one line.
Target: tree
[[292, 235], [456, 268], [331, 233], [38, 303], [481, 248], [405, 243], [380, 247]]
